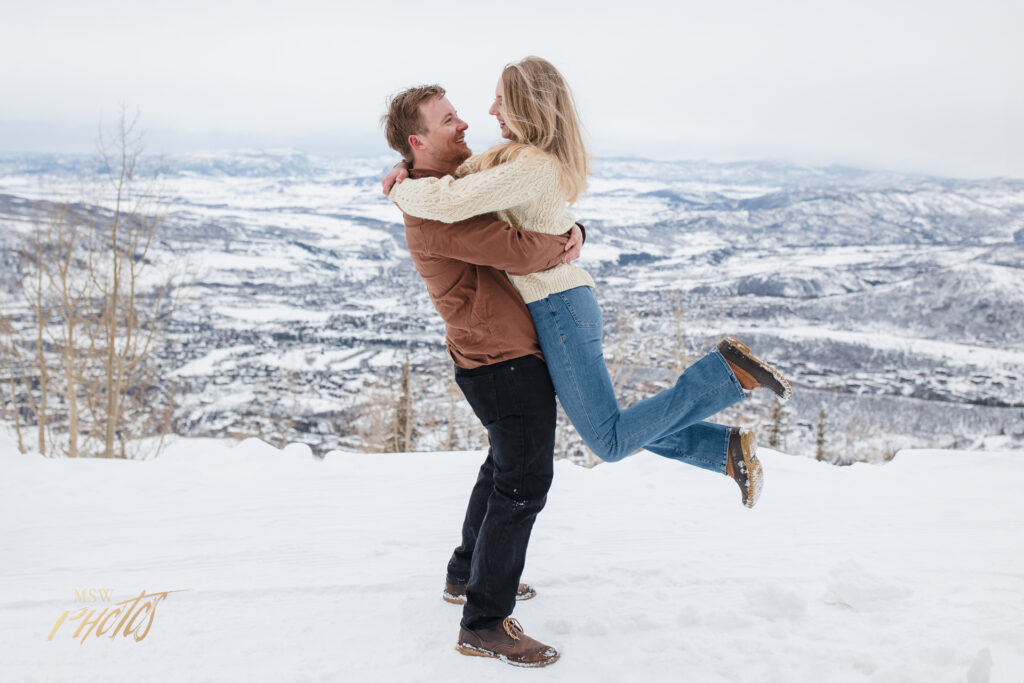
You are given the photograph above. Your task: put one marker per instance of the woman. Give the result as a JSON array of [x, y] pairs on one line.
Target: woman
[[528, 182]]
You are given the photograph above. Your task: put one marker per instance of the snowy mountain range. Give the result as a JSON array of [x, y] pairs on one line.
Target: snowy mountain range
[[895, 302]]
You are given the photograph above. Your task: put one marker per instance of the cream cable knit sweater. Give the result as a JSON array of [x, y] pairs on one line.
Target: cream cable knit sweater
[[524, 192]]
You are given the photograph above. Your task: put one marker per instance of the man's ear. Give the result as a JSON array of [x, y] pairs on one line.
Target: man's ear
[[416, 143]]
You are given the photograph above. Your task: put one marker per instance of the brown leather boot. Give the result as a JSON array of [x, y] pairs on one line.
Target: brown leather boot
[[747, 367], [455, 593], [743, 465], [508, 643]]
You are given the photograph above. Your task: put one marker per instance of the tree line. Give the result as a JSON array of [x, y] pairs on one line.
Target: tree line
[[90, 305]]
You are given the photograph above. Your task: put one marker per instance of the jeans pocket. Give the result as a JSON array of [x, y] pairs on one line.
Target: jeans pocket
[[582, 306], [482, 395]]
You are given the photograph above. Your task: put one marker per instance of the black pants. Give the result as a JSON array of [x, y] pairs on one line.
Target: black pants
[[515, 401]]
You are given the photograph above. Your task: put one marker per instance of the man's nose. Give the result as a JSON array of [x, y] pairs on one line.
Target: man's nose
[[461, 125]]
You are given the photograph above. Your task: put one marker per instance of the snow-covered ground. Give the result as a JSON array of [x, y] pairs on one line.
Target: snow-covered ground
[[296, 569]]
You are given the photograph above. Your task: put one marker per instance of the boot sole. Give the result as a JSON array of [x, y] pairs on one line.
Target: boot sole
[[767, 376], [471, 651], [461, 599], [754, 482], [755, 473]]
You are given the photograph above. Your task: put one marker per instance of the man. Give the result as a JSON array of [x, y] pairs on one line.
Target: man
[[500, 369]]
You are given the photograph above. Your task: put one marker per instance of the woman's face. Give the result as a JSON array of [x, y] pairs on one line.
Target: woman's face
[[497, 113]]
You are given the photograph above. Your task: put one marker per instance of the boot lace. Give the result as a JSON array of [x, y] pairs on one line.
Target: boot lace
[[512, 627]]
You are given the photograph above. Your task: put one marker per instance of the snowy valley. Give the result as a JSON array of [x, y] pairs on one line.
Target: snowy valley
[[894, 302]]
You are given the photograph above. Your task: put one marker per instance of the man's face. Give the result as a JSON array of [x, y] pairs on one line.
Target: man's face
[[445, 139]]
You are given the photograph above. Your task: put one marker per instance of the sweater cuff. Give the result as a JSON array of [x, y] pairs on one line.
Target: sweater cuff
[[584, 231]]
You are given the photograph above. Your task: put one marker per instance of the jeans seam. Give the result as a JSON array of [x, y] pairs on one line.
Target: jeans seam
[[729, 373], [705, 461], [522, 461], [725, 460], [572, 371], [718, 465]]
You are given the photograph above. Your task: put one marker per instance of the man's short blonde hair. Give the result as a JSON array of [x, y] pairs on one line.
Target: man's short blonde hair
[[403, 117]]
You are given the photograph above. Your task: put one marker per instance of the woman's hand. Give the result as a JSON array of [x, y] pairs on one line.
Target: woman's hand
[[399, 173]]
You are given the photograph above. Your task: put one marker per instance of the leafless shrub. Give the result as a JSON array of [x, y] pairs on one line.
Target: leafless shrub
[[79, 349]]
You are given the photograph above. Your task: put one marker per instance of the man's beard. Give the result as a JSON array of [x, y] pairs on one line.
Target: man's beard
[[458, 155]]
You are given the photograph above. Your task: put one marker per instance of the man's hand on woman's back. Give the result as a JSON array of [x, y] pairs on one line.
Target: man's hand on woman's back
[[574, 245]]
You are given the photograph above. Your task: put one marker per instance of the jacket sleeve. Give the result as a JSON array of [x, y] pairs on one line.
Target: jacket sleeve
[[484, 241], [503, 186]]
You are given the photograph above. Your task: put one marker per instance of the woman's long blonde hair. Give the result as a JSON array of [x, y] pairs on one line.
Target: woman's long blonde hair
[[539, 109]]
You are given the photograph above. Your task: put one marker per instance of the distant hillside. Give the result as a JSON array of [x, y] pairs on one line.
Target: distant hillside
[[895, 301]]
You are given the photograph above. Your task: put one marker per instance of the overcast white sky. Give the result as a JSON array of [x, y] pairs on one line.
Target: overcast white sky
[[917, 85]]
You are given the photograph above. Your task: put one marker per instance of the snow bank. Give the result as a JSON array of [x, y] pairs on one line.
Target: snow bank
[[295, 569]]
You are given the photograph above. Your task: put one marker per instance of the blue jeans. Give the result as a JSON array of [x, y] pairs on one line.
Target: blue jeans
[[668, 423]]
